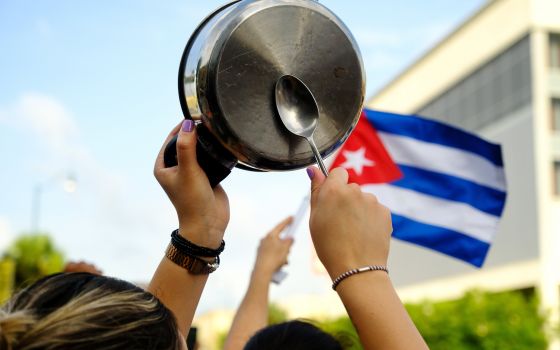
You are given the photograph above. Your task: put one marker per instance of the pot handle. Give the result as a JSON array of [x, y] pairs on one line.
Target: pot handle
[[212, 157]]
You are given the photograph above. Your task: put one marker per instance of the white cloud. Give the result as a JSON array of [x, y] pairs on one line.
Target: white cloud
[[49, 121], [45, 117], [49, 118], [110, 208]]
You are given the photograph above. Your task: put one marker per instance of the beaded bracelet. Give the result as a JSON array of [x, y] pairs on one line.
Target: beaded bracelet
[[349, 273], [189, 248]]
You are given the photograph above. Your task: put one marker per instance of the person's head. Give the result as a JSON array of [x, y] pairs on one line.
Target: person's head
[[294, 335], [84, 311]]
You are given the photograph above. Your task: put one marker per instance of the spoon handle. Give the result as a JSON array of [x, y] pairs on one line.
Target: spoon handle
[[317, 156]]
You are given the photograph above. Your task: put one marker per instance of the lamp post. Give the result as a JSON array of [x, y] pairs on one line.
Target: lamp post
[[69, 184]]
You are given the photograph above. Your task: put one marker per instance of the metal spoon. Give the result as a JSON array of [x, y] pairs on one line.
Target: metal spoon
[[299, 112]]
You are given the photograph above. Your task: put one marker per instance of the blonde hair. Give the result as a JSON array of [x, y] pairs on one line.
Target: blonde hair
[[83, 311], [12, 326]]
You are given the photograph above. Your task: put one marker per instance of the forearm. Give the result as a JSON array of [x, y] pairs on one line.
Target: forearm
[[178, 290], [176, 287], [203, 215], [377, 312], [252, 314]]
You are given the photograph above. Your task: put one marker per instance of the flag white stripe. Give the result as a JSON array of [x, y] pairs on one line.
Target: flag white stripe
[[430, 156], [435, 211]]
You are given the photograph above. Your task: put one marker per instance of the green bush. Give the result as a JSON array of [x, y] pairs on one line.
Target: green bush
[[343, 330], [482, 320], [477, 321], [276, 314]]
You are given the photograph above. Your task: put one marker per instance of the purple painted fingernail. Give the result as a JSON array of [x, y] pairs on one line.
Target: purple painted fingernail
[[188, 125], [310, 173]]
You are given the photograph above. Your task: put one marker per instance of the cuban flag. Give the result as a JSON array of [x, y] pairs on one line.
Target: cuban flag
[[445, 187]]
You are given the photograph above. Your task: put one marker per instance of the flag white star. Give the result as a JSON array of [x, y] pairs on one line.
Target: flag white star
[[356, 160]]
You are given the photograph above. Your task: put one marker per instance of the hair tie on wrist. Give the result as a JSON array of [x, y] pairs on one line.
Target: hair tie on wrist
[[190, 248], [349, 273]]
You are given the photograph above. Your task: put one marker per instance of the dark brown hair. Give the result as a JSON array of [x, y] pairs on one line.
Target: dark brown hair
[[293, 335]]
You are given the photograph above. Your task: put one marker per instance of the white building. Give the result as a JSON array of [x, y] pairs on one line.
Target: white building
[[498, 74]]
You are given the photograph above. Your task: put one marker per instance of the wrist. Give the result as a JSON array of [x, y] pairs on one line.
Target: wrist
[[378, 279], [195, 265], [191, 256], [262, 273], [341, 267], [209, 238], [359, 270]]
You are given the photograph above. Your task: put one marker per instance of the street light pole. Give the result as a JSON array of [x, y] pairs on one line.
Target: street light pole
[[36, 207], [69, 186]]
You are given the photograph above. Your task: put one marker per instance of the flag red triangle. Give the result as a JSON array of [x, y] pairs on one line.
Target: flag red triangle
[[365, 157]]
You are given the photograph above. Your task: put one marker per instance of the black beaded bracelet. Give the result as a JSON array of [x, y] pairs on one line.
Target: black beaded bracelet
[[349, 273], [189, 248]]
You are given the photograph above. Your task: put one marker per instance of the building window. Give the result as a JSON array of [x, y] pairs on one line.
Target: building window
[[555, 51], [555, 110], [496, 89], [557, 177]]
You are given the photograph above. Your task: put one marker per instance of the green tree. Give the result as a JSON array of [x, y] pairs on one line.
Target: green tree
[[7, 276], [35, 256]]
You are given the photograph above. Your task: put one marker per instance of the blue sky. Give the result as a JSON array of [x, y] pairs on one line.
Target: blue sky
[[90, 88]]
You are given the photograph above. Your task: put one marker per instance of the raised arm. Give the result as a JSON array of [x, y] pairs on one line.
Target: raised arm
[[203, 215], [350, 230], [252, 314]]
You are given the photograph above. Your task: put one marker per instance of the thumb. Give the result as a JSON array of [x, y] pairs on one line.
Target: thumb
[[317, 179], [186, 145]]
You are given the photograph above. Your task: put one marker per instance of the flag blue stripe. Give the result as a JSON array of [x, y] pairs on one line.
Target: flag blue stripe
[[449, 187], [441, 239], [434, 132]]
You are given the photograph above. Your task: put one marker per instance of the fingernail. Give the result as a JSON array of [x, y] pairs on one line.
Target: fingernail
[[188, 125], [310, 173]]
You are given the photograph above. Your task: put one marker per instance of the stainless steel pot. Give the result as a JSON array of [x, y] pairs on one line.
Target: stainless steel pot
[[229, 70]]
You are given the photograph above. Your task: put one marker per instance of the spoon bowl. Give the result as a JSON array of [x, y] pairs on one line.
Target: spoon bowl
[[298, 111]]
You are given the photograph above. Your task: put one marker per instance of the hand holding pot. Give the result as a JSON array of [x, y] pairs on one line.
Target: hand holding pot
[[349, 228], [203, 212]]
